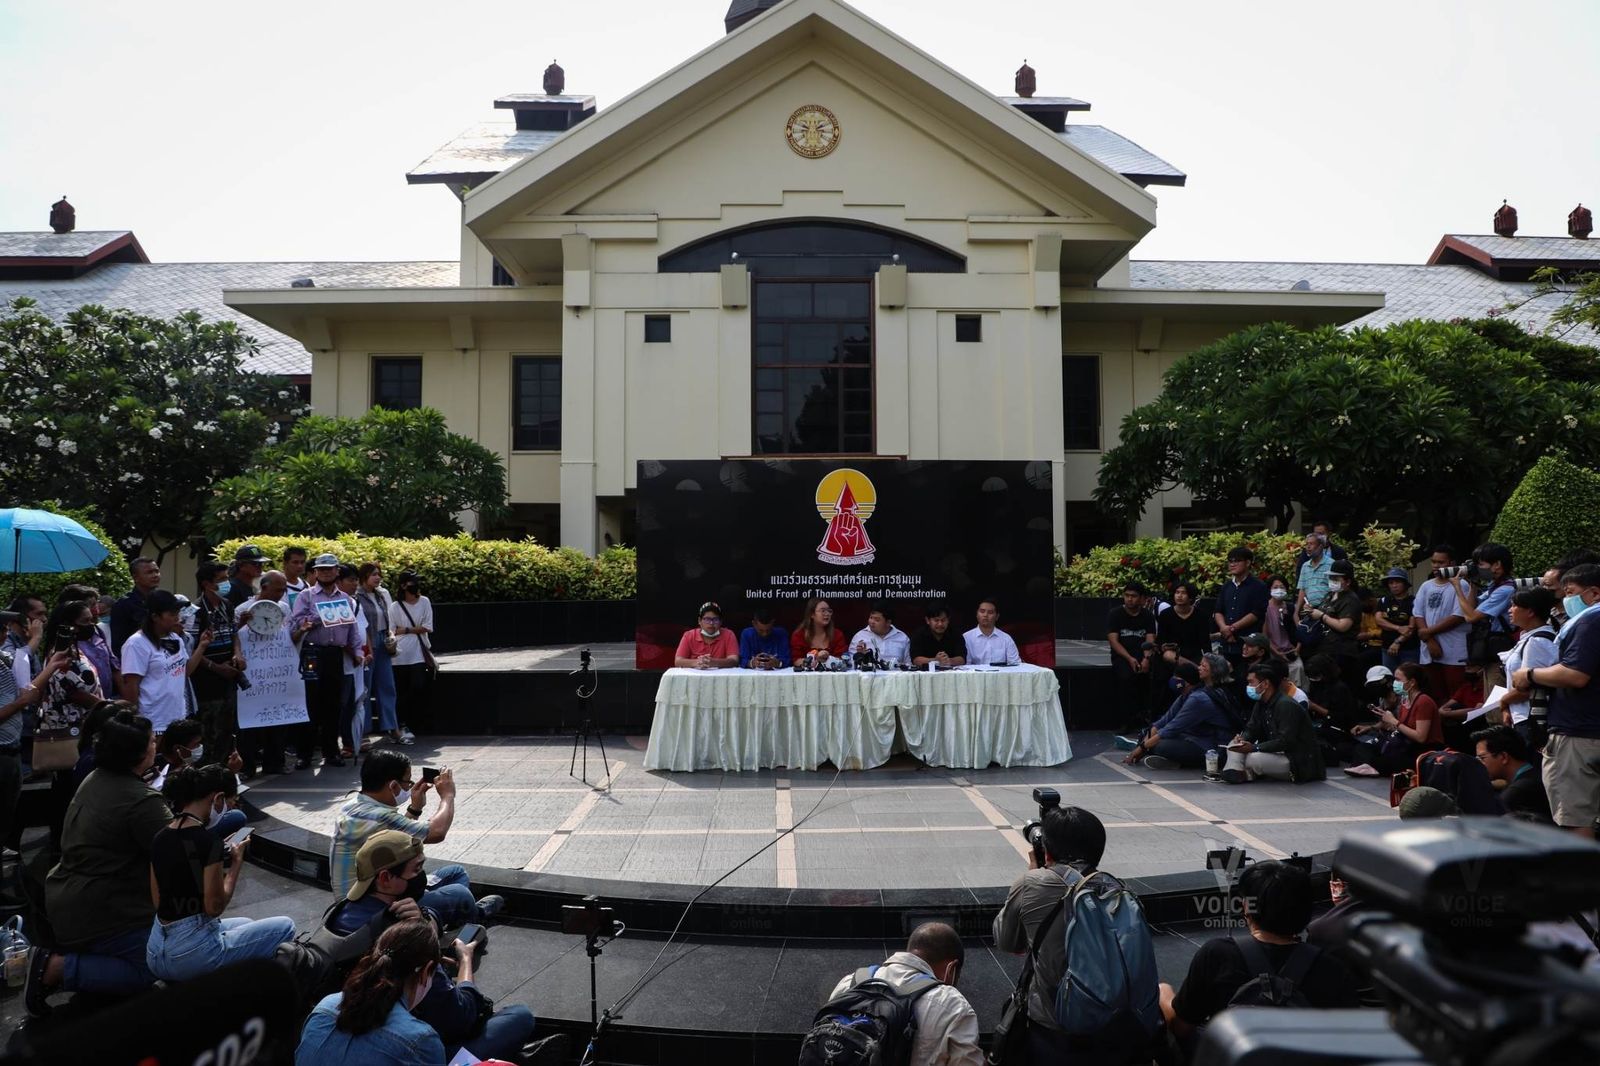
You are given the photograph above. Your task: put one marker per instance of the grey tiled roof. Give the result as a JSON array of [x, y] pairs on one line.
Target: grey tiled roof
[[1065, 103], [1119, 153], [1559, 249], [74, 245], [1412, 291], [164, 289], [484, 149]]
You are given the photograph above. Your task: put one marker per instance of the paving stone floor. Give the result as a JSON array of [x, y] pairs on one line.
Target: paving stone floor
[[897, 826]]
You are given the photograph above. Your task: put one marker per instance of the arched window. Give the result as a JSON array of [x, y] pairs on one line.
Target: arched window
[[811, 248]]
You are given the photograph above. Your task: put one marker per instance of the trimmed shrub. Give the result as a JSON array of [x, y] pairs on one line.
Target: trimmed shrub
[[1159, 563], [111, 577], [462, 569], [1550, 513]]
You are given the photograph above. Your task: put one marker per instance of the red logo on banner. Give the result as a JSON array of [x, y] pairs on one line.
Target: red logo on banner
[[845, 500]]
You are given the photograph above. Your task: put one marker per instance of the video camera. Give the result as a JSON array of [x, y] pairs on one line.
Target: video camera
[[1048, 800], [1440, 926], [588, 919]]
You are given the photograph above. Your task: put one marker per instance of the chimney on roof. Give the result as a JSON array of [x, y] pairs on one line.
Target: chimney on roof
[[1580, 223], [63, 217], [1027, 80], [742, 11], [555, 80], [1505, 220]]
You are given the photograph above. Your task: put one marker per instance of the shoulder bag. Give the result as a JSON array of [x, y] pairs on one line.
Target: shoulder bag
[[1010, 1045], [422, 638]]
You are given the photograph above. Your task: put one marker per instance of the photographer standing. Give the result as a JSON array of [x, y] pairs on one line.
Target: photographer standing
[[1493, 562], [1535, 647], [1441, 624], [1574, 724]]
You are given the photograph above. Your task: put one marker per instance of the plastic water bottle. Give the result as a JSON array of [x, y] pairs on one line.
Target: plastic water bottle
[[14, 947], [1213, 761]]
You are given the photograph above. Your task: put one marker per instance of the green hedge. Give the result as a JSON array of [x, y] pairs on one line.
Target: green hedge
[[461, 569], [1159, 563], [1550, 513], [111, 577]]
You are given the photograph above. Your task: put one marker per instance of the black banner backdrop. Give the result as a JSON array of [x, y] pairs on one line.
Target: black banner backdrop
[[905, 532]]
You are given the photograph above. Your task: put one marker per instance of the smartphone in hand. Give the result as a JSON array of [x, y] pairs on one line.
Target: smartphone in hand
[[240, 837], [430, 774]]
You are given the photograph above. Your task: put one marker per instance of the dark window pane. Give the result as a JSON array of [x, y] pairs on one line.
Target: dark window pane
[[841, 301], [397, 383], [1080, 402], [813, 343], [536, 414], [785, 301], [969, 328], [657, 329], [811, 329], [499, 275], [857, 346]]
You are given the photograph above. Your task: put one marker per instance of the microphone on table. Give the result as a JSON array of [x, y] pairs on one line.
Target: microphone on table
[[243, 1014]]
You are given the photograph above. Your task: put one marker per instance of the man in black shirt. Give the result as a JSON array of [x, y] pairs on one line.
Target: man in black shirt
[[1507, 757], [248, 562], [936, 641], [128, 613], [216, 683], [1129, 628], [1275, 899]]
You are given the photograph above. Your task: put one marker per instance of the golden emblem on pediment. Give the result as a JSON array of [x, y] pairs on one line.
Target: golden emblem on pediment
[[813, 131]]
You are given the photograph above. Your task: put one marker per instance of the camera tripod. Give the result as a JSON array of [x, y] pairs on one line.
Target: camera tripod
[[588, 682]]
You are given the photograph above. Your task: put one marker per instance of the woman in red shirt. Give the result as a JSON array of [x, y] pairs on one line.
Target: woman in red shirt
[[815, 634], [709, 647]]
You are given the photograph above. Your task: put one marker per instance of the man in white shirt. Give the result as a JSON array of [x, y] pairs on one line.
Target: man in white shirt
[[947, 1026], [1441, 624], [986, 645], [881, 637]]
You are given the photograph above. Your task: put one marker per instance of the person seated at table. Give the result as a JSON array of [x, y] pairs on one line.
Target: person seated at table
[[986, 645], [935, 642], [815, 636], [710, 647], [763, 645], [880, 636]]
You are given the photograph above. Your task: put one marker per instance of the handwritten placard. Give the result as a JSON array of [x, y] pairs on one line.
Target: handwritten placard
[[276, 695], [339, 612]]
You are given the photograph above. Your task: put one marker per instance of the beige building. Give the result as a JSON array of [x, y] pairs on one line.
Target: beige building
[[809, 239]]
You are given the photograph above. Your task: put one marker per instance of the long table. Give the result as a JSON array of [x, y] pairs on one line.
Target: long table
[[757, 719]]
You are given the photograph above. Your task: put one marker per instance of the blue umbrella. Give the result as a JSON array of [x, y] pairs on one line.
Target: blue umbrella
[[45, 543]]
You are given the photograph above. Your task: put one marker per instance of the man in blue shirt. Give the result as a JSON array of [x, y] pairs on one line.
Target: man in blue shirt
[[1573, 746], [763, 645], [1241, 604], [1494, 566], [1193, 724], [1312, 582]]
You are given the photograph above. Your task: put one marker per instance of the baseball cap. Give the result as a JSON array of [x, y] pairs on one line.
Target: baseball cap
[[325, 559], [1343, 567], [383, 850], [1425, 802], [1379, 673], [249, 553], [1398, 574], [1256, 640]]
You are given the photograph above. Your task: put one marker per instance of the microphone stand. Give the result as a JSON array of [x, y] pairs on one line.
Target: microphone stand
[[588, 682]]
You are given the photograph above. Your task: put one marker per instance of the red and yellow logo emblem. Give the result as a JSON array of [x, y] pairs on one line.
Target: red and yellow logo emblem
[[845, 500]]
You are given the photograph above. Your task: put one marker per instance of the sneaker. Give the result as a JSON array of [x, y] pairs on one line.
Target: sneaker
[[1234, 777], [1215, 779], [1127, 743], [489, 906], [1157, 762], [35, 996], [406, 735], [549, 1051]]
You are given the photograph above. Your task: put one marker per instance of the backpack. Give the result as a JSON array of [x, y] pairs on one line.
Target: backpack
[[1227, 701], [1110, 989], [867, 1024], [1269, 989], [1461, 777]]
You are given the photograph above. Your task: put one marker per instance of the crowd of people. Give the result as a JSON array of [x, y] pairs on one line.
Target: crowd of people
[[817, 643], [1269, 684]]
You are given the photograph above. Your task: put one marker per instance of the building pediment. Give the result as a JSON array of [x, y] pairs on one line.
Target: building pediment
[[919, 147]]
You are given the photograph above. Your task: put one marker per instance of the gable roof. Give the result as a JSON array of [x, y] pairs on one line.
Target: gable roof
[[1516, 258], [54, 255], [962, 104]]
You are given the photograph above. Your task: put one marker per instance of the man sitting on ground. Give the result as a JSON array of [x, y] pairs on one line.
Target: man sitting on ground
[[946, 1024], [388, 786], [1193, 725], [1275, 899], [1509, 760], [764, 645], [880, 636], [1278, 741], [389, 888], [936, 642]]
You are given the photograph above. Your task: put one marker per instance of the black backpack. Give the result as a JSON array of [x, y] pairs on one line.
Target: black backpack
[[867, 1024], [1269, 989], [1227, 701]]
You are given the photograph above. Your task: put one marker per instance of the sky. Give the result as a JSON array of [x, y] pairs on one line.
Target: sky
[[1351, 131]]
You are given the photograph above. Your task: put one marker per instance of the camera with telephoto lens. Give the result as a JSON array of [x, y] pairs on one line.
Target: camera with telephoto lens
[[1048, 800], [1439, 925], [1466, 570]]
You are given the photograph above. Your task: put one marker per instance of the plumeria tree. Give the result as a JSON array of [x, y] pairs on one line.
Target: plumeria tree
[[387, 473], [128, 417], [1433, 421]]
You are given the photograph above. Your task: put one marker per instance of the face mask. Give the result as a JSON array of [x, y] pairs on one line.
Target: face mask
[[416, 886], [1573, 605], [709, 634], [1336, 586], [216, 815], [1280, 594], [402, 798], [84, 632], [195, 754], [1175, 684], [1399, 687], [1485, 573], [1251, 692]]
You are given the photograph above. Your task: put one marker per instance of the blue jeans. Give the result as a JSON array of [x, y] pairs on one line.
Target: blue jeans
[[1181, 750], [232, 821], [450, 896], [380, 687], [114, 965], [195, 946], [503, 1035]]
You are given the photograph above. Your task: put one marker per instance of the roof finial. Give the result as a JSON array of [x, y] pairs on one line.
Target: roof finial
[[555, 79], [1505, 220], [1580, 223], [63, 217], [1027, 81]]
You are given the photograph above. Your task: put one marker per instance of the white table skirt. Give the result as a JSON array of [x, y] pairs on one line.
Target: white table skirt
[[755, 719]]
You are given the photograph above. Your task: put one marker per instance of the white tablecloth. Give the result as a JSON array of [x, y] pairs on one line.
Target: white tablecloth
[[754, 719]]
